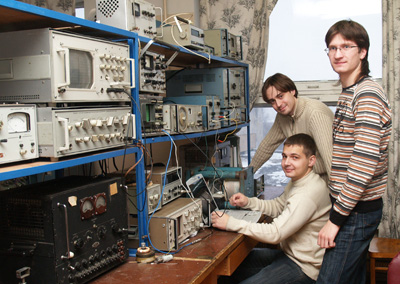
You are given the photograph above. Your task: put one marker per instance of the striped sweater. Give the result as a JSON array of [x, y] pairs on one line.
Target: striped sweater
[[361, 132]]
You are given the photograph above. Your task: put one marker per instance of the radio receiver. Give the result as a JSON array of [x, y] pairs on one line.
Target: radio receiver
[[66, 231]]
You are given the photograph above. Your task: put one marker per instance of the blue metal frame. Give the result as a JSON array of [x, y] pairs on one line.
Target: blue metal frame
[[64, 18], [140, 168], [106, 31], [42, 167], [150, 140]]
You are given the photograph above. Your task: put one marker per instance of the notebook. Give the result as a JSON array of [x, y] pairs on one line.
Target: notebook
[[249, 216]]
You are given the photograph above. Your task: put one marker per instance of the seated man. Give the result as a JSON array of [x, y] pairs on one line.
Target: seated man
[[299, 214]]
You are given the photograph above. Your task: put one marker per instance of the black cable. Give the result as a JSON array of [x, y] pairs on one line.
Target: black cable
[[115, 165], [215, 169]]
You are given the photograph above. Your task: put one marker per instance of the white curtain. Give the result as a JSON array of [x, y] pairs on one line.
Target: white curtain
[[63, 6], [390, 225], [250, 19]]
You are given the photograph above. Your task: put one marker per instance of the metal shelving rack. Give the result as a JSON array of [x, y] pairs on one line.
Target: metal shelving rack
[[15, 15]]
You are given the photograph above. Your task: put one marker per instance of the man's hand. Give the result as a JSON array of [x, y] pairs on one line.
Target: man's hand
[[239, 199], [327, 235], [219, 222]]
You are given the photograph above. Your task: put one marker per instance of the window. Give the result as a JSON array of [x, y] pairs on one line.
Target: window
[[296, 49], [297, 36]]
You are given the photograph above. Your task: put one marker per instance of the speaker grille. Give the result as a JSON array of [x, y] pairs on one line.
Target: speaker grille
[[22, 218], [108, 7]]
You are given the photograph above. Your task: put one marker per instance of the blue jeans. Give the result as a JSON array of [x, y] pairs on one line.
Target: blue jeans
[[264, 265], [346, 262]]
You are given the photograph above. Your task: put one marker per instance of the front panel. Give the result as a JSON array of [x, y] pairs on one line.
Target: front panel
[[69, 131], [67, 231], [61, 67], [133, 15], [18, 133]]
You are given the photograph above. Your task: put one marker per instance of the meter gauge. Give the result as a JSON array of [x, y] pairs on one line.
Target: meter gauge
[[148, 62], [86, 207], [136, 9], [18, 122], [183, 118], [100, 201]]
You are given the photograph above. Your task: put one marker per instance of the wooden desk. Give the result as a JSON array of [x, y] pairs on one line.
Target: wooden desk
[[219, 254]]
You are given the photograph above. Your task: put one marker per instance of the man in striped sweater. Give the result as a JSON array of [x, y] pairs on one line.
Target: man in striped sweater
[[361, 132], [295, 115]]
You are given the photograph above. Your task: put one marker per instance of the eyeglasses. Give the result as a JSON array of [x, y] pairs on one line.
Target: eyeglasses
[[343, 49]]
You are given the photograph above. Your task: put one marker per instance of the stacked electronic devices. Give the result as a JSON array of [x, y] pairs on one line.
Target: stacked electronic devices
[[224, 43], [226, 85], [81, 89], [165, 187], [218, 42], [196, 99]]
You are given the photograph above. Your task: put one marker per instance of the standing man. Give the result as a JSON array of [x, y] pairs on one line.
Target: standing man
[[295, 115], [361, 132], [299, 213]]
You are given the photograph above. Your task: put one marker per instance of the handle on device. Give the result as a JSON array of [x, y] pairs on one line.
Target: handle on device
[[66, 134], [182, 20], [66, 68], [69, 254]]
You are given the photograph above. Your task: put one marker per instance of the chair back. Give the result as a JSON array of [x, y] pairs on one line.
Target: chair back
[[393, 275]]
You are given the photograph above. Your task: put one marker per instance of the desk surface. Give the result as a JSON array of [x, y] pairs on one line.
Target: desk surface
[[218, 254]]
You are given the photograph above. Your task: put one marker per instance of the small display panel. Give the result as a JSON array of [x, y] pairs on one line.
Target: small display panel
[[18, 122], [195, 33], [148, 62], [81, 69]]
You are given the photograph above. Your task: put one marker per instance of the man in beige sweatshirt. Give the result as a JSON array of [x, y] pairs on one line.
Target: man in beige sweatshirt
[[299, 213], [295, 115]]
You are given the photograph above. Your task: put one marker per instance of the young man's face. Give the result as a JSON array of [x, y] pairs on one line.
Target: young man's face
[[282, 102], [295, 163], [345, 62]]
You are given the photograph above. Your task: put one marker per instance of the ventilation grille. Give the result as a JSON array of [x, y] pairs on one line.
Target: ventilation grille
[[22, 218], [19, 98], [108, 7]]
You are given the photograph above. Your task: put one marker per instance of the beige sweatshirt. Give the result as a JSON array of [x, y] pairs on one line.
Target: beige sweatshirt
[[311, 117], [299, 214]]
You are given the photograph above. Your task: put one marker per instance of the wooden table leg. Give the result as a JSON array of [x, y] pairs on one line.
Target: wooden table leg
[[372, 270]]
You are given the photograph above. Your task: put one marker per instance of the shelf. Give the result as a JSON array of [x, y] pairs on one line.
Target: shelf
[[37, 167], [15, 15], [186, 58], [164, 138]]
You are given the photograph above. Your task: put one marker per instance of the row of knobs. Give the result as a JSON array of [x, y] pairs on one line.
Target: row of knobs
[[97, 262], [90, 123], [114, 63], [173, 192], [110, 57], [100, 137], [23, 151]]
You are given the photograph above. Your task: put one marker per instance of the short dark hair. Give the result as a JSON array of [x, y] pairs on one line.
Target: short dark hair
[[281, 82], [305, 140], [353, 31]]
